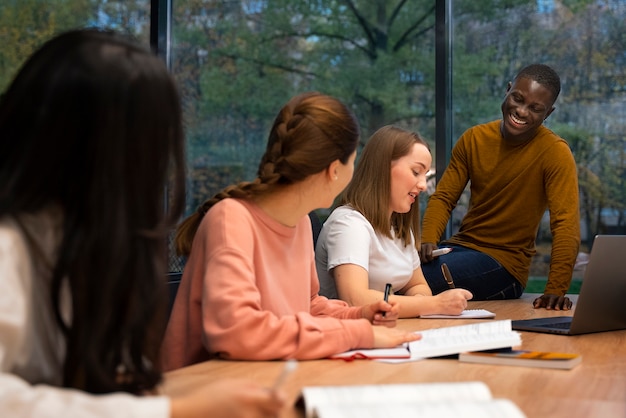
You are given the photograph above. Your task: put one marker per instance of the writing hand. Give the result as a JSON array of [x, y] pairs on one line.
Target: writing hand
[[453, 301], [426, 252], [551, 301], [374, 313]]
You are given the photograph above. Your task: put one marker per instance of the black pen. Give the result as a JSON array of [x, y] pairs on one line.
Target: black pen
[[446, 275], [387, 291]]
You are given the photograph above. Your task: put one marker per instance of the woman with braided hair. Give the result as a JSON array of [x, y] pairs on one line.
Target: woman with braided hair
[[250, 288]]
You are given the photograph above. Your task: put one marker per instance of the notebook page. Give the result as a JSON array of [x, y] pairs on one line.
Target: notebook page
[[466, 314], [457, 339], [389, 394], [499, 408]]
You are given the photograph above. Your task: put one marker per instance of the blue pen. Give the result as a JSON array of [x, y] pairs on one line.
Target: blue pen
[[387, 291]]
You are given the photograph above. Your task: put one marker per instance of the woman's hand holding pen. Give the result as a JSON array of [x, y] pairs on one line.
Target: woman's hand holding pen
[[374, 313], [452, 302]]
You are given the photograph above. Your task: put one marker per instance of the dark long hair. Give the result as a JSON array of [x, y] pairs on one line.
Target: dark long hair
[[311, 131], [92, 124]]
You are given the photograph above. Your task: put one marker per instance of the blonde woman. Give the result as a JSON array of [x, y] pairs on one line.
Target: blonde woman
[[370, 240]]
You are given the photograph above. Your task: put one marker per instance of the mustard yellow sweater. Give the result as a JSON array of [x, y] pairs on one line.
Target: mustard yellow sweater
[[512, 185]]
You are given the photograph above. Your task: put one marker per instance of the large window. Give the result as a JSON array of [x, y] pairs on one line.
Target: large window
[[26, 24], [237, 63]]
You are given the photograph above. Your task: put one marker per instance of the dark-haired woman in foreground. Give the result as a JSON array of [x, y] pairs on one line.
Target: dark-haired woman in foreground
[[90, 131]]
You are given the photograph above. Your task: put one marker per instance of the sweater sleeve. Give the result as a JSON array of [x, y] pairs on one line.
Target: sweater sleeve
[[236, 326], [447, 194], [322, 306], [561, 183]]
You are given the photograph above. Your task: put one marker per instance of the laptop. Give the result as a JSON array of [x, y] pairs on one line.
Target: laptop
[[601, 304]]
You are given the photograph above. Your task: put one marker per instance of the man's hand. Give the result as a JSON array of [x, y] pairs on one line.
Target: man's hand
[[550, 301], [426, 252]]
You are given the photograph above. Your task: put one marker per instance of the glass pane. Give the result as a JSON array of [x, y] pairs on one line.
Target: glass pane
[[238, 62], [26, 24], [584, 41]]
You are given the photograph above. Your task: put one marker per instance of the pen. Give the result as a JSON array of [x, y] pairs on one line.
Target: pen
[[387, 291], [447, 275], [441, 251], [290, 366]]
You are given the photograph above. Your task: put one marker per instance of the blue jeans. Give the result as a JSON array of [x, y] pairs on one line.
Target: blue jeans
[[475, 271]]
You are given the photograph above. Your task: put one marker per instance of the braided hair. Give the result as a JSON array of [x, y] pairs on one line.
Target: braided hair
[[311, 131]]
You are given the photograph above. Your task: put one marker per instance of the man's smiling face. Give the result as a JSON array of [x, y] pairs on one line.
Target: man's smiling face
[[526, 105]]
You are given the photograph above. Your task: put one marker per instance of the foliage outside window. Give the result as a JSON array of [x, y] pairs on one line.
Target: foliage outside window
[[237, 62], [26, 24]]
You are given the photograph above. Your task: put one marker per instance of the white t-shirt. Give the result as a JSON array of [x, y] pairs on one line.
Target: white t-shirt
[[347, 237], [31, 344]]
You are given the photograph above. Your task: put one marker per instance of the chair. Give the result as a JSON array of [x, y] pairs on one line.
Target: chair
[[173, 281], [316, 225]]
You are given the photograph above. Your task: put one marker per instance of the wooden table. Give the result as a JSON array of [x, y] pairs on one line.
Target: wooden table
[[596, 388]]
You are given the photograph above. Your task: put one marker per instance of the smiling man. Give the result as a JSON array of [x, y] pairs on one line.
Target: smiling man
[[517, 168]]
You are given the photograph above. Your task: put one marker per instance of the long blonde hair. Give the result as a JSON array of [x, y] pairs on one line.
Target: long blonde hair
[[369, 192]]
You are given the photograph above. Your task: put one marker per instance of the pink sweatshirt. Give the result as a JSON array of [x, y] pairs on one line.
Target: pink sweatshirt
[[250, 292]]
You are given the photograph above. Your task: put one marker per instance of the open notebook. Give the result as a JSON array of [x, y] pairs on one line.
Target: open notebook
[[600, 305], [441, 400], [444, 341], [466, 314]]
